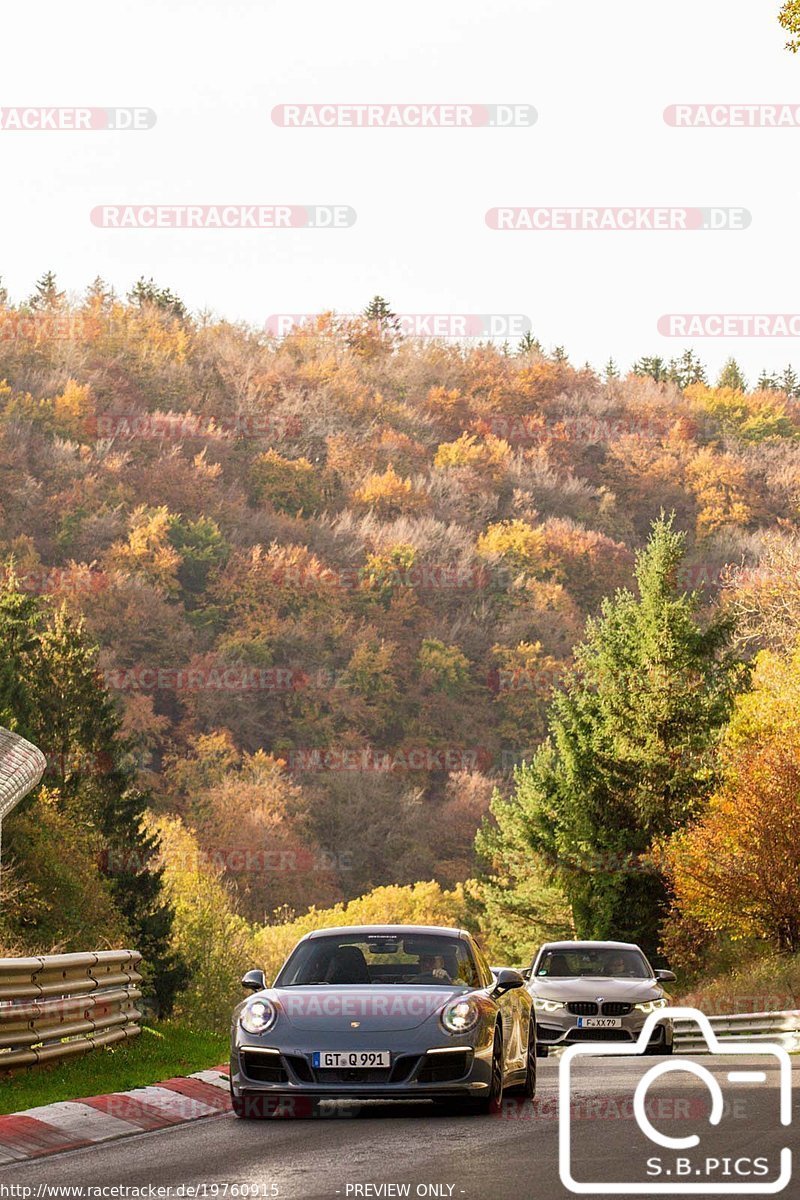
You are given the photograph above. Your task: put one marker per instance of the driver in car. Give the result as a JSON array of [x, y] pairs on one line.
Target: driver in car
[[616, 967], [431, 966]]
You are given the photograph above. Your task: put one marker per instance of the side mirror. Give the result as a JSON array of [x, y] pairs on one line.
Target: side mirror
[[666, 977], [506, 979], [254, 981], [526, 972]]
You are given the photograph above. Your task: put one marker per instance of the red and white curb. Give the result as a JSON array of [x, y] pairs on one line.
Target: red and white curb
[[73, 1124]]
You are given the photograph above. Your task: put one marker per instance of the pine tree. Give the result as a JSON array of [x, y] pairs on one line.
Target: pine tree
[[653, 366], [686, 370], [768, 383], [528, 342], [731, 376], [51, 692], [146, 293], [789, 383], [98, 293], [46, 296], [3, 294], [611, 371], [560, 355], [379, 312], [630, 754]]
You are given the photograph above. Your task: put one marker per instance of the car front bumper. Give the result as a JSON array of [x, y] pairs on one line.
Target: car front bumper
[[562, 1029], [278, 1068]]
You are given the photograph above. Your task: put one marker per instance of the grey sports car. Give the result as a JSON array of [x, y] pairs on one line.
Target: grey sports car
[[389, 1011], [597, 992]]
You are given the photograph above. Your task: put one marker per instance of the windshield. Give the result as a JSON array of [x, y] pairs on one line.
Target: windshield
[[380, 960], [606, 963]]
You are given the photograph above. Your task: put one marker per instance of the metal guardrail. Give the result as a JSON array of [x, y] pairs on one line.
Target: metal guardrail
[[60, 1005], [782, 1029]]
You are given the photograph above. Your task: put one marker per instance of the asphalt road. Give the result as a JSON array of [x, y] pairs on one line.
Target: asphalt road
[[356, 1150]]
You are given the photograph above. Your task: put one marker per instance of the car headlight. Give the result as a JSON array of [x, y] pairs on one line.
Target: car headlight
[[650, 1006], [258, 1016], [460, 1016], [547, 1006]]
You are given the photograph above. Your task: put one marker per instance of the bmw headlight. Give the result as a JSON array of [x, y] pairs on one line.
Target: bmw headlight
[[547, 1006], [650, 1006], [258, 1015], [460, 1016]]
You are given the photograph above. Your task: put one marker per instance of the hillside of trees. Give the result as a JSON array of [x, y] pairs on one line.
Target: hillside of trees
[[299, 608]]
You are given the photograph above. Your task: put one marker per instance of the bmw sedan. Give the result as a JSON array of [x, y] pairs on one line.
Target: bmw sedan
[[382, 1012], [597, 992]]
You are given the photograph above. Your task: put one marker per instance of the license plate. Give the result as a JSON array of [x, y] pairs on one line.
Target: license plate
[[361, 1059], [599, 1022]]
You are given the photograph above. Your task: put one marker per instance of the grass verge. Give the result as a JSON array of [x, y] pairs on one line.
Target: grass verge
[[159, 1052]]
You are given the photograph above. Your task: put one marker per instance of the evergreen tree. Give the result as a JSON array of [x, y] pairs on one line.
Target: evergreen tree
[[653, 366], [686, 370], [98, 293], [146, 293], [731, 376], [3, 294], [767, 382], [560, 355], [630, 756], [790, 383], [379, 312], [528, 342], [46, 296], [611, 371], [51, 692]]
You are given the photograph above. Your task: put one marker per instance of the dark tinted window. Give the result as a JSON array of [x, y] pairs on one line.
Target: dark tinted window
[[380, 960], [594, 962]]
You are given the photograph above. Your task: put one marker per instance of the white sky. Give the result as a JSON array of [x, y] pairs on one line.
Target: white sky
[[599, 72]]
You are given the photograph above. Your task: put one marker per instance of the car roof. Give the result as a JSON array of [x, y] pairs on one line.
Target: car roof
[[388, 930], [588, 945]]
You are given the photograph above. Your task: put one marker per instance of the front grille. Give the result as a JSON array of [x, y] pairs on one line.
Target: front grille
[[599, 1035], [583, 1008], [614, 1008], [301, 1067], [353, 1075], [263, 1068], [399, 1072], [442, 1068]]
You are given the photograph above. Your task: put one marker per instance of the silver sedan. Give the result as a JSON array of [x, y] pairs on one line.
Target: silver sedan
[[597, 992]]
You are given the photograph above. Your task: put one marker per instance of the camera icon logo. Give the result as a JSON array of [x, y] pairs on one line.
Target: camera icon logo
[[686, 1174]]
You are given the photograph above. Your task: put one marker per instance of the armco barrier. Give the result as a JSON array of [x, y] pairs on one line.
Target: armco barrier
[[64, 1004], [782, 1029]]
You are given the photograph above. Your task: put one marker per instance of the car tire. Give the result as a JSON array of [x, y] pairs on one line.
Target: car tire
[[528, 1088]]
